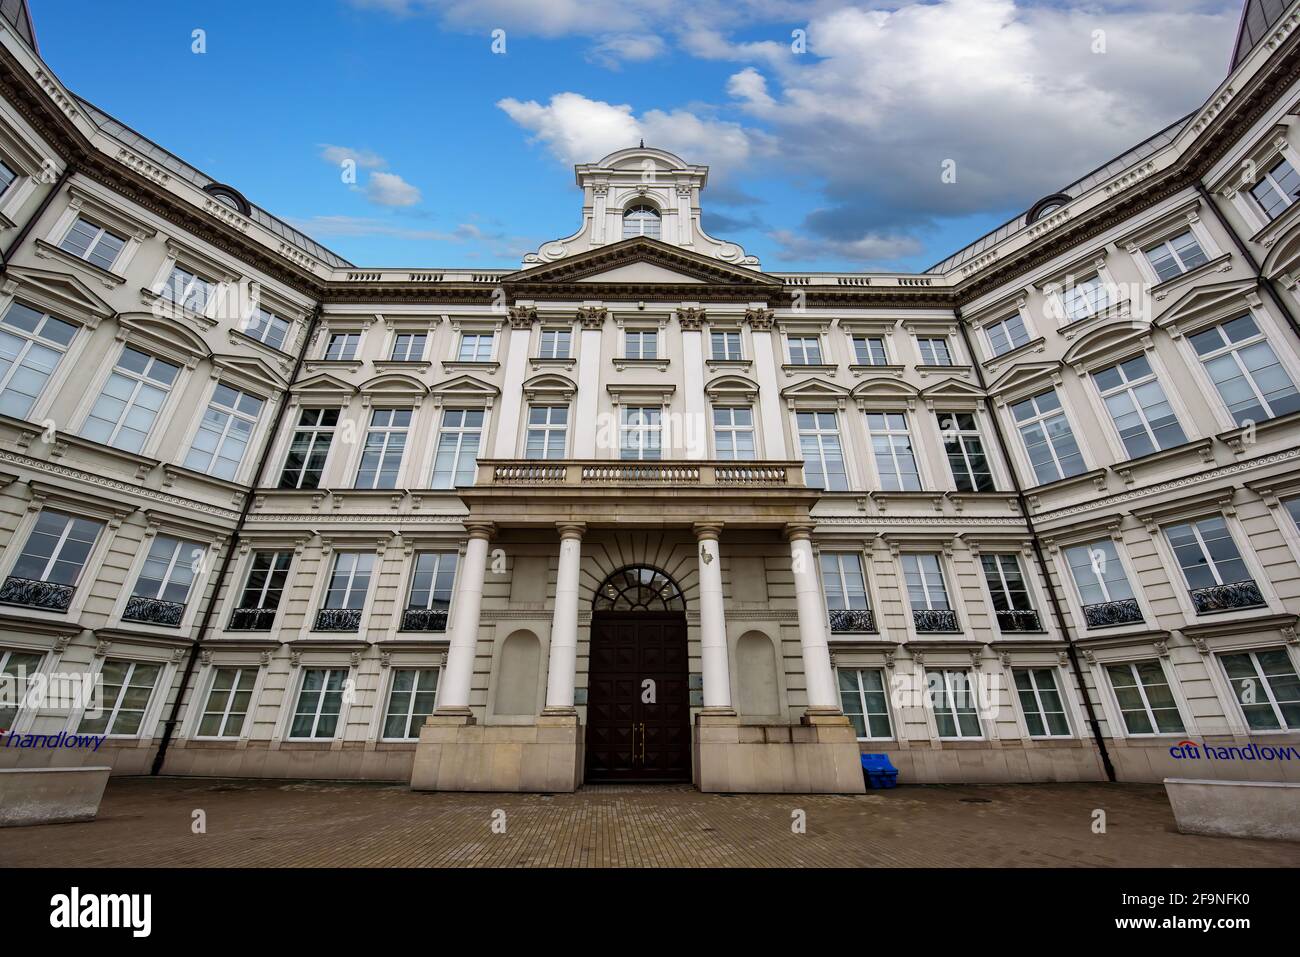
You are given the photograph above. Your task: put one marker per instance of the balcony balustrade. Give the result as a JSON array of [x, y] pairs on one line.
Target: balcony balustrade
[[252, 619], [1214, 598], [1108, 614], [338, 619], [935, 620], [1013, 620], [848, 620], [424, 619], [729, 474], [50, 596], [154, 611]]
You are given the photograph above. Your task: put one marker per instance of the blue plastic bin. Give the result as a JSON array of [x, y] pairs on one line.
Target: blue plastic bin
[[880, 773]]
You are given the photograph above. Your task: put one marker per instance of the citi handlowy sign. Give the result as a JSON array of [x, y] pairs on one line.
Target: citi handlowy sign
[[1191, 750]]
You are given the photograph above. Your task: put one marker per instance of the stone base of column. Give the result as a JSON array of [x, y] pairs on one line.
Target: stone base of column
[[455, 754], [818, 756]]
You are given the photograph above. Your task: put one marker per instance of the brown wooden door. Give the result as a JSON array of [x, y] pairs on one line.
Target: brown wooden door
[[630, 738]]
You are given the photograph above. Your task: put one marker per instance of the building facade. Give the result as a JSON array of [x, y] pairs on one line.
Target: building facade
[[639, 509]]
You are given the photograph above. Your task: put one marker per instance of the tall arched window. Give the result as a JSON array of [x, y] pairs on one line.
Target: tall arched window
[[641, 221]]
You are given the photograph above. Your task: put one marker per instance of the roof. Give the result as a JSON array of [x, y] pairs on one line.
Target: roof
[[1257, 19], [16, 14]]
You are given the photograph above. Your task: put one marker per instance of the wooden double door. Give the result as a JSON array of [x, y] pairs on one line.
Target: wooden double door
[[638, 698]]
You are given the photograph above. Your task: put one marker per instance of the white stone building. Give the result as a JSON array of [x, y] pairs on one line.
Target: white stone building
[[640, 510]]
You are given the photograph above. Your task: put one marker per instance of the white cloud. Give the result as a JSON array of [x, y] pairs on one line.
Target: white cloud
[[338, 155], [389, 189], [868, 249], [613, 51]]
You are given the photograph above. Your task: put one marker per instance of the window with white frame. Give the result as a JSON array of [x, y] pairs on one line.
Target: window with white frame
[[52, 560], [1145, 699], [1103, 587], [1040, 702], [343, 346], [934, 351], [127, 687], [640, 344], [188, 290], [1244, 368], [268, 574], [548, 431], [804, 350], [309, 448], [733, 432], [428, 600], [408, 346], [954, 701], [127, 408], [639, 432], [1084, 298], [381, 456], [1277, 189], [320, 701], [864, 702], [1267, 689], [927, 594], [16, 670], [821, 451], [346, 591], [224, 432], [7, 177], [555, 344], [410, 702], [163, 585], [228, 701], [92, 242], [891, 446], [267, 328], [1013, 608], [870, 351], [844, 583], [1049, 441], [1217, 576], [32, 344], [1137, 405], [965, 450], [641, 220], [476, 347], [725, 344], [1293, 509], [458, 443], [1006, 334], [1176, 255]]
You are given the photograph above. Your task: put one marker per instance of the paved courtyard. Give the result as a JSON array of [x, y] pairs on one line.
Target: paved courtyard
[[144, 823]]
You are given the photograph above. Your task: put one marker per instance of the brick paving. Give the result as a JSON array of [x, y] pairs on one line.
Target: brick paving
[[147, 822]]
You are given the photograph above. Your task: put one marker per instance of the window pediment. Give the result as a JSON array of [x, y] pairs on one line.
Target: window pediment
[[953, 393], [324, 389], [731, 388], [464, 390], [815, 392], [167, 339], [394, 385], [1025, 378], [253, 373], [878, 392], [60, 294], [549, 386], [1207, 304]]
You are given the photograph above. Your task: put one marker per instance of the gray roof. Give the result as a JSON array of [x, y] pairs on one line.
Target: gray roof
[[18, 16], [1257, 19]]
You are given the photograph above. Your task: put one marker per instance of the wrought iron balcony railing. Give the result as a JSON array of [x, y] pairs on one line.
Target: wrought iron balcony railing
[[338, 619], [36, 594], [1243, 594], [154, 611], [252, 619], [934, 620], [1018, 620], [1108, 614], [845, 620], [424, 619]]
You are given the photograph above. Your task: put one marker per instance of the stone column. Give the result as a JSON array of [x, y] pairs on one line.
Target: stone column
[[454, 683], [713, 624], [564, 623], [822, 694]]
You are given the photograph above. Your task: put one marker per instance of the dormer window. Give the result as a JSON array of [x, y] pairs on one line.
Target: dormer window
[[641, 221]]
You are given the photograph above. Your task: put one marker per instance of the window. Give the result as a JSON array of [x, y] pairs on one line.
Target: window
[[125, 412], [345, 595], [1293, 509], [16, 670], [228, 701], [476, 347], [1216, 575], [51, 562], [927, 594], [1175, 256], [891, 444], [1277, 189], [224, 433], [381, 456], [934, 352], [1049, 441], [7, 177], [548, 429], [263, 589], [1007, 334], [555, 344], [1012, 606], [164, 583], [1103, 587], [639, 432], [733, 432], [870, 351], [1040, 701], [188, 290], [93, 243], [458, 442], [1246, 371], [1145, 699], [819, 447], [410, 702], [409, 346], [952, 697], [343, 346], [429, 600], [1266, 687], [1083, 299], [319, 703], [31, 347], [125, 691], [862, 697], [845, 587], [961, 441], [309, 449], [725, 345], [805, 350], [641, 221], [267, 328], [1138, 407], [640, 344]]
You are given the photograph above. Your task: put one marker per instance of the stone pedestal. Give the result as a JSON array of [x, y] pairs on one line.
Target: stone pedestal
[[454, 754], [818, 756]]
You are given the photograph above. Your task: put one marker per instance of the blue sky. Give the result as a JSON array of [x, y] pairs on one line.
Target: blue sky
[[824, 157]]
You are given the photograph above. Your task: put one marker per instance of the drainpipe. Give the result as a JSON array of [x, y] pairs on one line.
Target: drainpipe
[[1058, 612], [169, 727], [31, 220]]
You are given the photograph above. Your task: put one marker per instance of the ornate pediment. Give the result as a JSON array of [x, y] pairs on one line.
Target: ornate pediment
[[1026, 375], [1205, 304], [878, 393], [548, 385], [323, 387], [1107, 343], [163, 337], [395, 385], [731, 388], [249, 371], [952, 389], [815, 393], [61, 294], [464, 390]]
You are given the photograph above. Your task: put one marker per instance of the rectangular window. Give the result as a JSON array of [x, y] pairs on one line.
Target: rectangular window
[[429, 600], [891, 445], [309, 449], [844, 584], [934, 352], [733, 433], [93, 243], [1175, 256], [350, 580], [381, 457], [125, 412], [267, 575], [820, 449], [476, 347], [548, 431], [640, 344], [1266, 687], [224, 433], [1049, 441], [1277, 189], [927, 594], [16, 670], [1145, 698], [1216, 575], [188, 290], [863, 699], [725, 345], [1246, 371], [639, 435], [125, 691], [1103, 587], [1138, 407], [165, 578], [1041, 703], [7, 177], [410, 702], [267, 328], [555, 344], [228, 701], [1293, 509], [1012, 606], [342, 346], [32, 344], [953, 699], [1084, 299], [1007, 334], [319, 703], [409, 346], [870, 351], [51, 562], [458, 442], [805, 350], [961, 441]]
